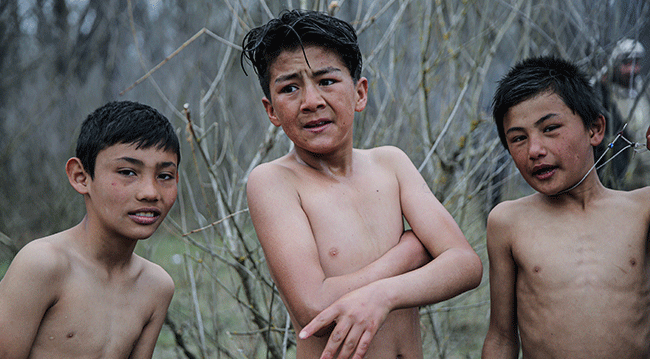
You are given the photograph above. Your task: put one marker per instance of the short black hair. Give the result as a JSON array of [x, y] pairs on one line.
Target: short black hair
[[124, 122], [296, 29], [537, 75]]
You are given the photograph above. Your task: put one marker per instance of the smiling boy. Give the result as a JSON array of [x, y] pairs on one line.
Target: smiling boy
[[330, 217], [569, 265], [83, 293]]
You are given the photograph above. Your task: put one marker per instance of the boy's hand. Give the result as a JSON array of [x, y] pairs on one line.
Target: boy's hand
[[647, 138], [358, 316]]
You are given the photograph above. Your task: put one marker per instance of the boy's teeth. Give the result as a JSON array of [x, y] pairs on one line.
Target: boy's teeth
[[145, 214]]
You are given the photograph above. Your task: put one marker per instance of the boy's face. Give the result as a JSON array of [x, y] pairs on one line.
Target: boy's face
[[314, 104], [133, 189], [549, 143]]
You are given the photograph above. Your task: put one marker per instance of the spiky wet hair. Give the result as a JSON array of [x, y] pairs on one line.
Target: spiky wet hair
[[538, 75], [296, 29]]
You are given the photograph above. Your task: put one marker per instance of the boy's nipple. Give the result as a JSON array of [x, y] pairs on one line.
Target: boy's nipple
[[333, 252]]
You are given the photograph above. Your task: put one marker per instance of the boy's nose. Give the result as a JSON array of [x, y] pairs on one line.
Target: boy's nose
[[312, 98], [148, 191], [536, 148]]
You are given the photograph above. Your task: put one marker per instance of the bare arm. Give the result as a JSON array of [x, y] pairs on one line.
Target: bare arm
[[164, 290], [27, 290], [456, 268], [290, 250], [502, 339]]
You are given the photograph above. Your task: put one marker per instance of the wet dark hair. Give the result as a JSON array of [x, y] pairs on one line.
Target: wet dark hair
[[296, 29], [124, 122], [534, 76]]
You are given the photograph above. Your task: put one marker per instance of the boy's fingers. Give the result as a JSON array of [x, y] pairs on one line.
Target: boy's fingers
[[364, 344], [322, 320], [335, 340], [349, 345]]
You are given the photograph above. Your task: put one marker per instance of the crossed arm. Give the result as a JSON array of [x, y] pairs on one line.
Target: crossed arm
[[455, 268], [292, 255]]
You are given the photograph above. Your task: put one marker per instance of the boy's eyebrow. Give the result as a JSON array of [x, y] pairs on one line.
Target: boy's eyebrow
[[325, 70], [167, 164], [537, 123], [286, 77], [138, 162], [131, 160], [316, 73]]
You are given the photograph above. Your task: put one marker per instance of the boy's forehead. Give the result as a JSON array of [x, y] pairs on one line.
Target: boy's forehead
[[535, 108], [151, 154], [293, 60]]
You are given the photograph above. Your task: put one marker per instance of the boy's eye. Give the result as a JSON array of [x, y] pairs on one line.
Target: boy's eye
[[166, 176], [551, 128], [516, 139], [327, 82], [288, 89], [126, 172]]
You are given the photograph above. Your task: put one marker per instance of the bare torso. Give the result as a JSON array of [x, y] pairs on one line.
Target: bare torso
[[94, 313], [355, 221], [582, 284]]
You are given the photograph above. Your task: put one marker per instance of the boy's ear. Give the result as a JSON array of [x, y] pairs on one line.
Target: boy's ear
[[597, 131], [268, 106], [77, 176], [362, 94]]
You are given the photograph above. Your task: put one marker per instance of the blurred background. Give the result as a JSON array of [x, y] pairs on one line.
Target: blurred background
[[432, 67]]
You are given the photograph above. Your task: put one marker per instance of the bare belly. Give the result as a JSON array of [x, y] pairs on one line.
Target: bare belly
[[585, 325], [399, 337]]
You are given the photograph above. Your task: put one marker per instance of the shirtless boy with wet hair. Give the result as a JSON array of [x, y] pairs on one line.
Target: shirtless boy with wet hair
[[83, 293], [330, 217], [569, 265]]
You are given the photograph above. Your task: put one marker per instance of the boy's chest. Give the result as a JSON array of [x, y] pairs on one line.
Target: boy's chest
[[353, 223], [579, 253], [94, 320]]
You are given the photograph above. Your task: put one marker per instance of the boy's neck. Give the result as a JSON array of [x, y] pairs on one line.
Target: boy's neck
[[337, 164], [589, 190], [110, 251]]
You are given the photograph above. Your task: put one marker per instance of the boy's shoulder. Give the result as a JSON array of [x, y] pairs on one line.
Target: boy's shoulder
[[511, 210], [43, 262], [287, 168], [510, 217], [638, 200], [49, 254], [640, 195], [155, 275], [386, 152]]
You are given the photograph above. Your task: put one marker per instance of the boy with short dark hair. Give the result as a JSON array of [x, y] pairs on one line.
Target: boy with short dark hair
[[83, 292], [330, 217], [569, 265]]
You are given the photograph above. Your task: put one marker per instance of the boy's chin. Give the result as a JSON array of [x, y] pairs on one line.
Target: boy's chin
[[546, 189]]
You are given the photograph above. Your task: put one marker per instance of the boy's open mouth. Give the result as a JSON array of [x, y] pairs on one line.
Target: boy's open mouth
[[543, 171], [145, 216], [315, 124]]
